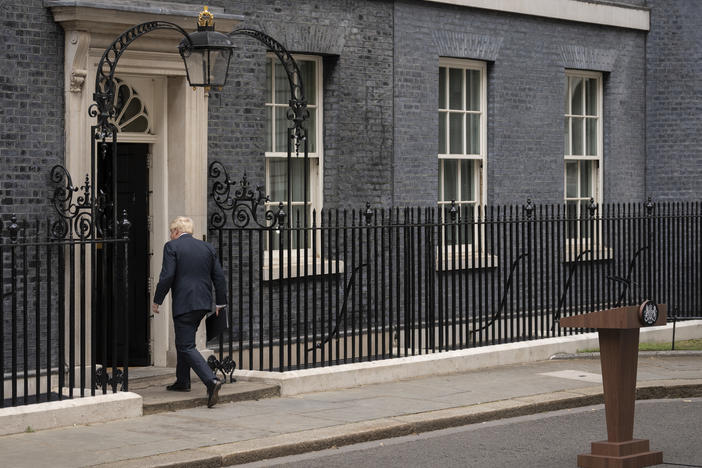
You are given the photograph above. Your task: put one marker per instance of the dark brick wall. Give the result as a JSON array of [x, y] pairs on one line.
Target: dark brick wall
[[674, 100], [526, 59], [31, 105], [31, 129], [355, 38]]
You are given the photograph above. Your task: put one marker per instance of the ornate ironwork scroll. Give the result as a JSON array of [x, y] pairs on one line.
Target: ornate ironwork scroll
[[104, 96], [226, 366], [103, 379], [83, 215], [239, 204]]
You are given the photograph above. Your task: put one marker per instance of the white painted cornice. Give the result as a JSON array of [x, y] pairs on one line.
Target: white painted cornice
[[606, 14], [115, 16]]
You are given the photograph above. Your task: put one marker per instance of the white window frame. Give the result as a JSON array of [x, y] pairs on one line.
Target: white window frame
[[479, 175], [315, 158], [579, 243], [464, 251], [316, 178]]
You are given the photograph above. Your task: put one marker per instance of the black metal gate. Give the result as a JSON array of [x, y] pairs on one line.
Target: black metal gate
[[63, 321]]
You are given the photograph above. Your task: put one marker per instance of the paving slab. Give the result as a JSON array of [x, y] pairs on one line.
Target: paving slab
[[244, 431]]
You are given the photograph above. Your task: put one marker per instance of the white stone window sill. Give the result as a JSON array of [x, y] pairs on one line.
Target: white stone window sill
[[595, 252], [464, 258], [273, 270]]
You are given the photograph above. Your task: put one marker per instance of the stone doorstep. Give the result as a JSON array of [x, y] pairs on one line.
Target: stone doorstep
[[157, 399], [346, 434]]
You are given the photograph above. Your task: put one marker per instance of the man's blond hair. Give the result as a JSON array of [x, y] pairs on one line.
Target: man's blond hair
[[182, 224]]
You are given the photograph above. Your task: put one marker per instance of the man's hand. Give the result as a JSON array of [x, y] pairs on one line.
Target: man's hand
[[154, 308], [217, 308]]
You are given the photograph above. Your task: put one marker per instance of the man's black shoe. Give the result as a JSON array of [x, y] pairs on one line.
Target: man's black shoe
[[213, 392], [177, 387]]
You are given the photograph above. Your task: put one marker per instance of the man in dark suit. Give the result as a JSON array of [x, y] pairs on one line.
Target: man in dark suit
[[190, 268]]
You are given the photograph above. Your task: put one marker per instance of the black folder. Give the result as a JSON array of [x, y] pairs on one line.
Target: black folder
[[217, 323]]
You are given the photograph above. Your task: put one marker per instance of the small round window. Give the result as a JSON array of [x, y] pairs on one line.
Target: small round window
[[130, 114]]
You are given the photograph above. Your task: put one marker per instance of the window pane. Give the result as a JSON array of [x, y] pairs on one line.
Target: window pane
[[566, 136], [276, 178], [571, 179], [309, 80], [584, 215], [298, 180], [269, 81], [576, 100], [572, 216], [442, 88], [455, 88], [591, 96], [450, 180], [269, 129], [473, 90], [577, 135], [467, 185], [442, 132], [297, 219], [282, 85], [281, 129], [591, 135], [586, 179], [456, 133], [311, 125], [473, 133], [566, 96], [138, 125]]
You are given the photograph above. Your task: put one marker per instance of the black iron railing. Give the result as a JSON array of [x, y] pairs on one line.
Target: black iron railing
[[377, 284], [62, 328], [63, 307]]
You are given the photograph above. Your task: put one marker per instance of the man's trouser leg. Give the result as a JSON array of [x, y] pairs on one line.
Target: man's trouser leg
[[188, 356]]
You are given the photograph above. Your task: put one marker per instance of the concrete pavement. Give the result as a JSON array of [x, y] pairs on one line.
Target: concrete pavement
[[245, 431]]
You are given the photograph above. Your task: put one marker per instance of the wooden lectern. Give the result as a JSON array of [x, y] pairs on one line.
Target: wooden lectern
[[618, 331]]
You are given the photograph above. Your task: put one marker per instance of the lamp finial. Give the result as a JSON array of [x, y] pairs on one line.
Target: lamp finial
[[205, 18]]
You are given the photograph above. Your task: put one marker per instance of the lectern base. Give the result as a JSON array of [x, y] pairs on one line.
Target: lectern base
[[631, 454]]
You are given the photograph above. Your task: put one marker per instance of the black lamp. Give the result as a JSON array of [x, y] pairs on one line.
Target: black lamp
[[206, 54]]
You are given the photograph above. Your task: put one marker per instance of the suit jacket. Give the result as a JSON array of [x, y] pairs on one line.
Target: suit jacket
[[190, 268]]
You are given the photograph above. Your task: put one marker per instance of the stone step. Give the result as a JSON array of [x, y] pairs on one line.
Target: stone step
[[157, 399]]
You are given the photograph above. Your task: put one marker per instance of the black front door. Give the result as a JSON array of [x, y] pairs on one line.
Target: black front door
[[132, 195]]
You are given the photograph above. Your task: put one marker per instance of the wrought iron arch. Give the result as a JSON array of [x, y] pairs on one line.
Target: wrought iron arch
[[103, 107]]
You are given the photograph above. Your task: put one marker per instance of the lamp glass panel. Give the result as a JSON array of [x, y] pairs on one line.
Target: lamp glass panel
[[219, 65], [194, 62]]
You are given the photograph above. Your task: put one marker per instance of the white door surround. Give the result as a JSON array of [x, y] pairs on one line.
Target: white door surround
[[178, 136]]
